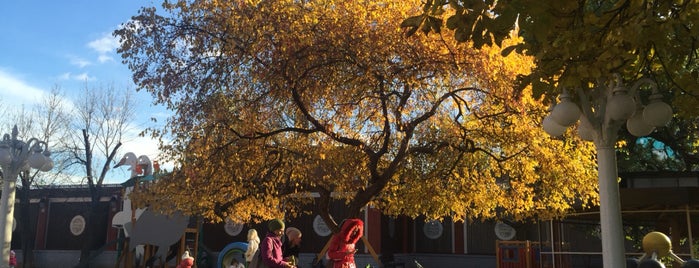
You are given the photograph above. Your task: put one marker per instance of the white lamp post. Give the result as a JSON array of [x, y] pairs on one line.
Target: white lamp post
[[15, 157], [604, 111]]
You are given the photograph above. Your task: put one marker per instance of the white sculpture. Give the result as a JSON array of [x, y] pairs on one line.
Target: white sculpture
[[149, 227], [136, 167]]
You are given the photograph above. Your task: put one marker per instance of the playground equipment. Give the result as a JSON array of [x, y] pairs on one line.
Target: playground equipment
[[144, 228], [230, 251], [140, 166], [657, 245]]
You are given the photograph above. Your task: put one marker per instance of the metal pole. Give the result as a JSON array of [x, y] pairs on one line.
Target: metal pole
[[553, 245], [606, 125], [15, 155], [610, 208]]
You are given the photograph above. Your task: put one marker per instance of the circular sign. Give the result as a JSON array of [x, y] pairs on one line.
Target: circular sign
[[433, 229], [77, 225], [232, 228], [320, 227], [504, 231]]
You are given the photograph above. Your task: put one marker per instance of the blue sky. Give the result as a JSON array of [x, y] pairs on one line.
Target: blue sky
[[47, 43], [67, 43]]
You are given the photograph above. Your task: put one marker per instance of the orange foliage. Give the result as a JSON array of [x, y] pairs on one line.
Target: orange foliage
[[278, 99]]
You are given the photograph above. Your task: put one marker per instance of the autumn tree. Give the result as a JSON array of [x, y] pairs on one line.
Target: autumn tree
[[274, 100], [579, 44], [594, 49]]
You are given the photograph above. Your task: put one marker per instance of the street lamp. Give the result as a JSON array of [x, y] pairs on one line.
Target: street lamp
[[17, 156], [602, 113]]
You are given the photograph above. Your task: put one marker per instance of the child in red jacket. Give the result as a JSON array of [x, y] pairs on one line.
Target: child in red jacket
[[13, 259], [187, 261], [342, 246]]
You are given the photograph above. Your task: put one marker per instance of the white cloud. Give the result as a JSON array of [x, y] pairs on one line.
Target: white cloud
[[106, 44], [14, 90], [64, 76], [83, 77], [105, 58], [80, 62]]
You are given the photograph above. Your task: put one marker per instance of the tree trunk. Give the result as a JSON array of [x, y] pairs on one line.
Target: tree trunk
[[28, 227], [94, 213]]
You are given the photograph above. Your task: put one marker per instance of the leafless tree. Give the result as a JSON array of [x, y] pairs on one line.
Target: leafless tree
[[46, 121], [101, 118]]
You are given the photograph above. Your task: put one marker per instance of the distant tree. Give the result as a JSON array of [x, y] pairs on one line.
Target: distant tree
[[3, 110], [102, 117], [278, 99], [52, 119], [46, 121]]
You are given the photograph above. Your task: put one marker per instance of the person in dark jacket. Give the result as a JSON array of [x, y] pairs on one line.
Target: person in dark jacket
[[342, 246], [291, 247]]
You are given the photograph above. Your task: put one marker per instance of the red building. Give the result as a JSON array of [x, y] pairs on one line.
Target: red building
[[57, 216]]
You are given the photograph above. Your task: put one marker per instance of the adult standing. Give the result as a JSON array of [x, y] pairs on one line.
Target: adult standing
[[253, 245], [291, 246], [271, 246], [342, 246]]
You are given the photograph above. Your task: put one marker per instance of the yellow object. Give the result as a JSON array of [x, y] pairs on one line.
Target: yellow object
[[657, 242]]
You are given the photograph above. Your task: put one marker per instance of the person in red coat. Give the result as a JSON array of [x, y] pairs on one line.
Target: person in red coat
[[13, 259], [187, 261], [342, 245]]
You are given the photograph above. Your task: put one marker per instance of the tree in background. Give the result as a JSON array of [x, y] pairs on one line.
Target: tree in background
[[52, 124], [580, 44], [46, 121], [278, 99], [83, 140], [102, 117]]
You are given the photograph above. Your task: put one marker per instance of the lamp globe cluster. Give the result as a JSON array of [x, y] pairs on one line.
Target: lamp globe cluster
[[621, 104], [564, 114], [16, 156], [37, 155]]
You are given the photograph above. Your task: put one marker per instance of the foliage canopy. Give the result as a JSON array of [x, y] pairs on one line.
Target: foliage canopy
[[277, 99], [582, 41], [579, 44]]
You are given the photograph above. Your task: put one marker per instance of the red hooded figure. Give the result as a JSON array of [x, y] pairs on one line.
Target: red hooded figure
[[187, 261], [342, 249]]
